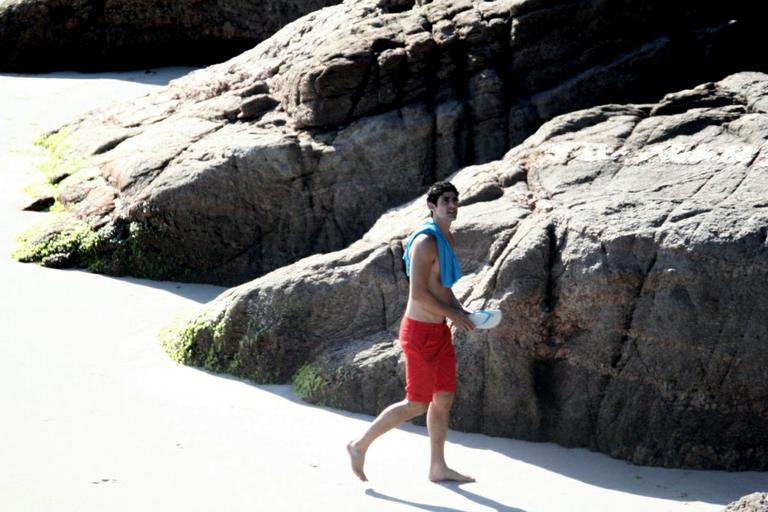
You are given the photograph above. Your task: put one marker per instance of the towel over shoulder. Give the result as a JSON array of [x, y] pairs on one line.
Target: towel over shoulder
[[449, 264]]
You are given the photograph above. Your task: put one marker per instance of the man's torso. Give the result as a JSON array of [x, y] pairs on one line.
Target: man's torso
[[414, 310]]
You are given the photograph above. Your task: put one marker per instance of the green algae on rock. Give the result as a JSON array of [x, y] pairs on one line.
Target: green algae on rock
[[64, 241]]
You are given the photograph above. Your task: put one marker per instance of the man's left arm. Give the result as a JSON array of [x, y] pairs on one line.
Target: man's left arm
[[456, 304]]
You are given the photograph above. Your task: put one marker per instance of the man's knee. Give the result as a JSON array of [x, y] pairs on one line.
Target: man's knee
[[416, 408], [443, 400]]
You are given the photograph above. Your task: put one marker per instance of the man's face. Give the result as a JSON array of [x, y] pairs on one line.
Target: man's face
[[447, 207]]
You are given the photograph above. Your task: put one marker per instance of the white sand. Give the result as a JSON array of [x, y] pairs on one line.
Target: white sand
[[94, 417]]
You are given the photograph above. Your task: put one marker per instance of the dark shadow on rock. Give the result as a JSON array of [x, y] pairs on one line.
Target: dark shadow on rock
[[437, 508]]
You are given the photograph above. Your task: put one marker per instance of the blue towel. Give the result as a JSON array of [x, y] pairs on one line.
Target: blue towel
[[449, 265]]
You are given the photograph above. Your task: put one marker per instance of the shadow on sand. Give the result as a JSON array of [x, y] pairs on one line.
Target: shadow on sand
[[600, 470], [197, 292], [158, 76], [480, 500]]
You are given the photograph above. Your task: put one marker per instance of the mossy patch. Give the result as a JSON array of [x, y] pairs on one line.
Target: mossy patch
[[244, 358], [307, 382], [63, 242], [61, 160], [203, 343], [61, 163], [131, 254], [115, 249], [179, 340]]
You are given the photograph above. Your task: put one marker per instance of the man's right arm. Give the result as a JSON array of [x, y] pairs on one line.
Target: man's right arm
[[423, 256]]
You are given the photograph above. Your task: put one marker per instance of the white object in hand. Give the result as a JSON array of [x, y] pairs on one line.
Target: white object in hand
[[485, 318]]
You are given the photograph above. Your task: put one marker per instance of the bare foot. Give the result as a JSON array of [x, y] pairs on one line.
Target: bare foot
[[446, 474], [357, 459]]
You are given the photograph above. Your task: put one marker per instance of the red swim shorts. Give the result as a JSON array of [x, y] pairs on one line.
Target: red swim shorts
[[430, 361]]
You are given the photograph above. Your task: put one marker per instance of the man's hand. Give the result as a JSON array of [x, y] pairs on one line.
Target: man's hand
[[461, 321]]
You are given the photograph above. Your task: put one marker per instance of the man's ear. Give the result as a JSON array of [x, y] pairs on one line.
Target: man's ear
[[431, 207]]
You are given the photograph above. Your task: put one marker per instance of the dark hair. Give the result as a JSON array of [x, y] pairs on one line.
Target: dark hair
[[438, 189]]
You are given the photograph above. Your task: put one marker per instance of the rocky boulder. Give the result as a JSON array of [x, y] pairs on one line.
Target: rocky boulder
[[299, 145], [755, 502], [626, 247], [50, 35]]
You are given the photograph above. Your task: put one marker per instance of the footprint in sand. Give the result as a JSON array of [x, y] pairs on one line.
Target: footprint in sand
[[105, 481]]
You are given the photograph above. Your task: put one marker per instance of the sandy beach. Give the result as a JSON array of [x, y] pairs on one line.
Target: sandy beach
[[95, 416]]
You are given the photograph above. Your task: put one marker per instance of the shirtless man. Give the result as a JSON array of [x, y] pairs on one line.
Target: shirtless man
[[430, 361]]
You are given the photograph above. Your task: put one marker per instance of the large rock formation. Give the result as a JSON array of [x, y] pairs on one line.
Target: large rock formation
[[755, 502], [297, 146], [626, 247], [48, 35]]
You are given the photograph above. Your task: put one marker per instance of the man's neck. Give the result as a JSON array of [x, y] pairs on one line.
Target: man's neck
[[444, 225]]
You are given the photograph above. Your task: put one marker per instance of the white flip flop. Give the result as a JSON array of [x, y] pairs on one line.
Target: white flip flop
[[485, 318]]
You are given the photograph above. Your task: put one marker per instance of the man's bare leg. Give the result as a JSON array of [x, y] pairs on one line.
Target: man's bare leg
[[437, 425], [389, 418]]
